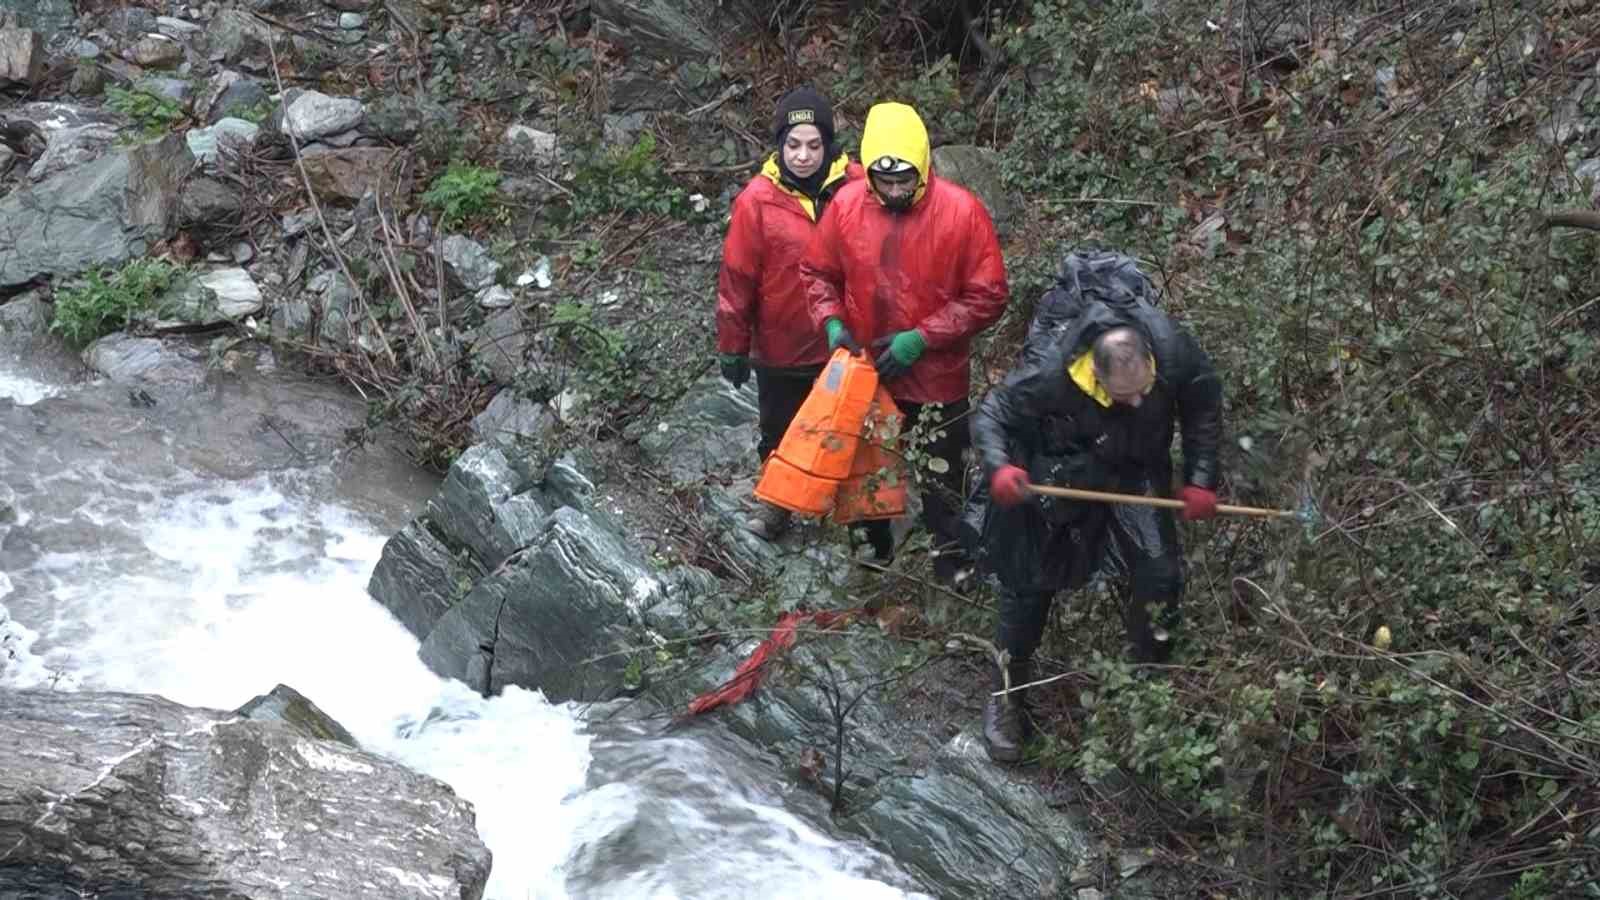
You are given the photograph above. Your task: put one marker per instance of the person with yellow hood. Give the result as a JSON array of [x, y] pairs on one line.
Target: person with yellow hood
[[906, 266], [763, 320]]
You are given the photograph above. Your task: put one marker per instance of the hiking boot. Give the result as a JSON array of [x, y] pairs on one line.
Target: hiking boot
[[769, 522], [1005, 717]]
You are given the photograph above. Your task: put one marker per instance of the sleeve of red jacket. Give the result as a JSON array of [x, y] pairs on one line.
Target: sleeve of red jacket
[[822, 270], [982, 297], [739, 280]]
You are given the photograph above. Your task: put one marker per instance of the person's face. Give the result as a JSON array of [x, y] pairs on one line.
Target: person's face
[[802, 150], [896, 190], [1130, 387]]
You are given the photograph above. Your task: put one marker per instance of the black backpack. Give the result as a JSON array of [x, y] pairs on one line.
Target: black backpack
[[1105, 275]]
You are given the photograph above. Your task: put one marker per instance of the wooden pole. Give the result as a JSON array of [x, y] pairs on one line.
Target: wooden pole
[[1143, 500]]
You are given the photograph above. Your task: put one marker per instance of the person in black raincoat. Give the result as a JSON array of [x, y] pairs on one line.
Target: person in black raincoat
[[1093, 403]]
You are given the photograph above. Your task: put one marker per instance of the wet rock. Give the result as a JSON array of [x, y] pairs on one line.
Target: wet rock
[[177, 90], [495, 297], [156, 51], [83, 49], [419, 577], [234, 37], [1386, 83], [555, 618], [130, 22], [540, 147], [978, 170], [230, 94], [86, 81], [487, 506], [350, 5], [43, 16], [310, 115], [351, 172], [351, 21], [285, 705], [177, 29], [99, 214], [661, 29], [468, 263], [502, 345], [209, 205], [7, 157], [510, 419], [22, 57], [70, 147], [214, 298], [126, 359], [940, 807], [100, 791], [237, 134], [711, 431], [27, 314], [649, 91], [400, 118], [622, 130]]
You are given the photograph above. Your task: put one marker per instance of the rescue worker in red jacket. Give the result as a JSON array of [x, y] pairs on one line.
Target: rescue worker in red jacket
[[908, 266], [763, 321]]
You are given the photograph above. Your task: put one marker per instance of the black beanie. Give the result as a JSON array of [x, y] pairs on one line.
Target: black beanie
[[803, 106]]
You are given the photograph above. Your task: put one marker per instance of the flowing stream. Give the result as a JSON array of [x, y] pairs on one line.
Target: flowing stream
[[189, 549]]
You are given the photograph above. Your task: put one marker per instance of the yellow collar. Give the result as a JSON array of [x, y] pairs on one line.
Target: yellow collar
[[836, 173], [1082, 372]]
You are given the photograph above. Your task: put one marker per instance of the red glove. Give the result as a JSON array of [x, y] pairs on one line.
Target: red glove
[[1009, 485], [1198, 503]]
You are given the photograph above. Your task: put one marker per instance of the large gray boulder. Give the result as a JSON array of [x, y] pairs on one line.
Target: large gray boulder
[[935, 803], [564, 616], [46, 16], [710, 432], [567, 598], [978, 170], [101, 214], [132, 795], [21, 57], [660, 29]]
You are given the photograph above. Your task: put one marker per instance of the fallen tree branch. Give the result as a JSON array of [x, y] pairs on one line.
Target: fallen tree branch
[[1571, 218]]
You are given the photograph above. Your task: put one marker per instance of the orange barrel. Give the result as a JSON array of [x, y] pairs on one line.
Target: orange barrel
[[819, 448], [876, 488]]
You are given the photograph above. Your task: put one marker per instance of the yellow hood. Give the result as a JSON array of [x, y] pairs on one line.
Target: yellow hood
[[836, 173], [895, 129]]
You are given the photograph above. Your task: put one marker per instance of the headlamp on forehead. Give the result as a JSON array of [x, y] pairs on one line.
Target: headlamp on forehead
[[892, 168]]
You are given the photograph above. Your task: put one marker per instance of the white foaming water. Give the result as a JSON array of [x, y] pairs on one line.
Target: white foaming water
[[229, 588], [25, 391]]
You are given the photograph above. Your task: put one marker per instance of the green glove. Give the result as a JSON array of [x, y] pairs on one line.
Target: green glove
[[839, 336], [900, 351]]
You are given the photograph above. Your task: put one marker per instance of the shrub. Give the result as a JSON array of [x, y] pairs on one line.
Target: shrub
[[103, 304], [463, 192], [152, 115]]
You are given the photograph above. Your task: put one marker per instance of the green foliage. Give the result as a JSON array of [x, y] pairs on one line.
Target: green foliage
[[462, 193], [257, 114], [152, 115], [631, 180], [105, 303], [1395, 339]]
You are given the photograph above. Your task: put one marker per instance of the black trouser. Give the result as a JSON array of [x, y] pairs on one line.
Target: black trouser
[[1139, 549], [943, 492], [779, 394]]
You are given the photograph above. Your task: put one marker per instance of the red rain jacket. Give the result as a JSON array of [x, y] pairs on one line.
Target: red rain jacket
[[935, 267], [761, 305]]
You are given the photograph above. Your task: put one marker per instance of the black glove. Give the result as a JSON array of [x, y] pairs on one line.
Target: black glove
[[735, 368]]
